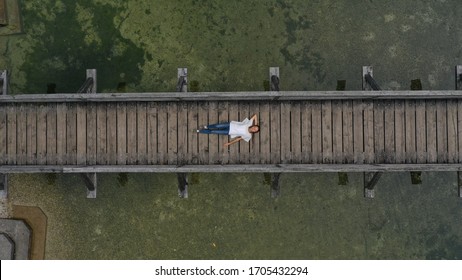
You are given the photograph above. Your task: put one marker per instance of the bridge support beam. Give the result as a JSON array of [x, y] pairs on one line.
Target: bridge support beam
[[4, 81], [89, 86], [370, 180], [274, 78], [275, 187], [182, 84], [3, 185], [182, 185], [90, 181]]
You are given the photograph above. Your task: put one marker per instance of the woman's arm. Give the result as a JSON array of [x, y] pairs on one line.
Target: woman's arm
[[232, 142], [254, 119]]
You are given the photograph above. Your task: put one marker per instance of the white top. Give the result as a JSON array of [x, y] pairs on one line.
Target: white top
[[241, 129]]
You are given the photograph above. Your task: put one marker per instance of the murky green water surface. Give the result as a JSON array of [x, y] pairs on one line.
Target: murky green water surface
[[228, 46]]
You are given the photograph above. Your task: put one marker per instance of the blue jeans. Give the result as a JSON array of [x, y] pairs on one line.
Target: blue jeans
[[218, 128]]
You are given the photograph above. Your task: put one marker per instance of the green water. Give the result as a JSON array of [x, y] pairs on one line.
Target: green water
[[228, 46]]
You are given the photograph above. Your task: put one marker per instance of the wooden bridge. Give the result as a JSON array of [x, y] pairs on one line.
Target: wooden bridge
[[348, 131]]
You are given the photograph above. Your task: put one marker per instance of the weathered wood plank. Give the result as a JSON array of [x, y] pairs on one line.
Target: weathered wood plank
[[42, 134], [213, 139], [11, 134], [203, 139], [141, 128], [286, 130], [193, 148], [111, 133], [316, 131], [369, 153], [306, 138], [453, 150], [400, 132], [183, 133], [101, 133], [132, 155], [420, 132], [337, 131], [233, 116], [162, 137], [265, 133], [91, 133], [3, 134], [122, 133], [152, 133], [81, 133], [244, 147], [379, 131], [431, 131], [71, 131], [296, 132], [223, 116], [389, 130], [51, 134], [358, 131], [326, 115], [21, 128], [441, 131], [412, 145], [61, 140], [172, 133], [348, 143], [31, 112], [275, 140]]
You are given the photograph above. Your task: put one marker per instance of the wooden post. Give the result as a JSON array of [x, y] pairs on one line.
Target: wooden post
[[3, 185], [182, 185], [370, 180], [459, 183], [274, 78], [182, 85], [459, 77], [4, 80], [91, 183], [91, 73], [367, 70], [275, 188]]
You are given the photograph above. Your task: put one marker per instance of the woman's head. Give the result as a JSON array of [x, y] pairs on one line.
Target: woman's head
[[254, 129]]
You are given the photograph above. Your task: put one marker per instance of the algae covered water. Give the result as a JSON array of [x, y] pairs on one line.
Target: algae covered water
[[228, 46]]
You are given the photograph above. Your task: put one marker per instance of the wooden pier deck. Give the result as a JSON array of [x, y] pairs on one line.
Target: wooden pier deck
[[300, 132]]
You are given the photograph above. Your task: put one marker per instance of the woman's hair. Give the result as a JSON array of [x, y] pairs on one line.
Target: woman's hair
[[257, 126]]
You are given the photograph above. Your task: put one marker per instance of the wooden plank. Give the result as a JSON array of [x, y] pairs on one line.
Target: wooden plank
[[400, 132], [389, 129], [162, 129], [275, 140], [265, 132], [213, 139], [131, 133], [348, 144], [285, 133], [42, 134], [305, 111], [453, 150], [92, 133], [358, 131], [379, 131], [316, 131], [296, 132], [326, 115], [193, 152], [11, 133], [31, 145], [152, 133], [141, 137], [111, 133], [3, 134], [223, 116], [369, 156], [21, 128], [244, 147], [61, 141], [101, 133], [203, 139], [414, 146], [121, 116], [172, 133], [441, 131], [431, 131], [183, 133], [420, 132], [82, 133], [71, 131], [337, 131], [51, 133]]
